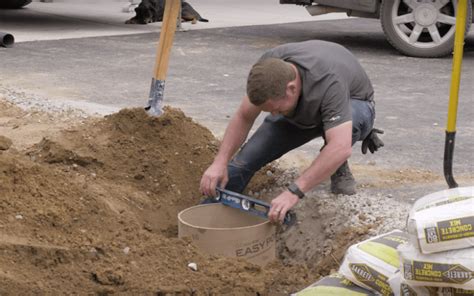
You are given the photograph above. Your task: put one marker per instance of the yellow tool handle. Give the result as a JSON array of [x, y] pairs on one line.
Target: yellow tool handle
[[454, 93], [457, 62], [170, 17]]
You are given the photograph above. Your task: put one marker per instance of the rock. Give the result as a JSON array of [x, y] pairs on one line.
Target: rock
[[108, 277], [139, 177], [372, 232], [5, 143], [19, 217], [147, 227], [126, 250], [193, 266]]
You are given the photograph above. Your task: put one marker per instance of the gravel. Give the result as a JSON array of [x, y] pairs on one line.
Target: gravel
[[70, 108], [324, 219], [364, 208]]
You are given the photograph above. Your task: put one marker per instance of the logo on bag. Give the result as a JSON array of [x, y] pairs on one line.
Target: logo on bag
[[438, 273], [406, 290], [407, 271], [361, 272], [431, 235], [458, 274]]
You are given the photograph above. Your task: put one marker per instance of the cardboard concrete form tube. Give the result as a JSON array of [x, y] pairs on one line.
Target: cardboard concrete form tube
[[220, 230]]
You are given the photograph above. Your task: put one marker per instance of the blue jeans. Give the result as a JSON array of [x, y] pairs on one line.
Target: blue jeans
[[276, 136]]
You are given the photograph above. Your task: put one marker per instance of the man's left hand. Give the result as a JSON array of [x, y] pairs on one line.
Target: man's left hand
[[372, 141], [281, 205]]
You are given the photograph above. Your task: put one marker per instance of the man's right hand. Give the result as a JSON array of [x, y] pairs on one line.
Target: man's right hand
[[215, 175]]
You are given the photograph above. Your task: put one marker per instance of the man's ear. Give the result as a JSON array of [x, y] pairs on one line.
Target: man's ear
[[291, 88]]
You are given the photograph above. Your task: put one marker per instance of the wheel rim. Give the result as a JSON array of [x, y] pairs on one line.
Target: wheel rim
[[424, 23]]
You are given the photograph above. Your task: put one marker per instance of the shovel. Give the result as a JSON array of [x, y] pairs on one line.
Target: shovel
[[454, 93], [170, 18]]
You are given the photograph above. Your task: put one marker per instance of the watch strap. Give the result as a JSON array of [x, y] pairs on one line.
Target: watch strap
[[293, 188]]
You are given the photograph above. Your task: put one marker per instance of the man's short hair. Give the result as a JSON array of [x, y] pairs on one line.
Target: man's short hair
[[268, 79]]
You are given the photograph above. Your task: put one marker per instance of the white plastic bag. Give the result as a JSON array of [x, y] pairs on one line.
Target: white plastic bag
[[334, 284], [447, 269], [401, 288], [371, 263], [443, 221]]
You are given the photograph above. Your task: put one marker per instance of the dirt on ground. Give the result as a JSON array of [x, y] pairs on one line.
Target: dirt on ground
[[89, 206]]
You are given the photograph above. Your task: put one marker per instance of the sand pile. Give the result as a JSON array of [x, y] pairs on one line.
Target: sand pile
[[94, 210], [151, 163], [90, 205]]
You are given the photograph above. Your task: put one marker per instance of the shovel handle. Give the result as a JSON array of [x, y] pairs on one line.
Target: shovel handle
[[170, 18], [157, 89]]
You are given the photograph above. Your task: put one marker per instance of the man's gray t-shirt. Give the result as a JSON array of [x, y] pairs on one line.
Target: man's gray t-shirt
[[330, 77]]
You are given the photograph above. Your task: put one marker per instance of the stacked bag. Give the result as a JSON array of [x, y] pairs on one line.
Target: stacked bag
[[440, 257], [334, 284], [434, 258]]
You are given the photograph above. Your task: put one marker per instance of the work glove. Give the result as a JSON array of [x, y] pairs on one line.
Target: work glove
[[372, 141]]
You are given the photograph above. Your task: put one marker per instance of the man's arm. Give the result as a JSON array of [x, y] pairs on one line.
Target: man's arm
[[337, 150], [234, 136]]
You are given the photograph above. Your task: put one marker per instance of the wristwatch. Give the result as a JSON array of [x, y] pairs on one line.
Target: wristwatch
[[293, 188]]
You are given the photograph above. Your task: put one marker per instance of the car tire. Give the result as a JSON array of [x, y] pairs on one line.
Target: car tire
[[14, 4], [421, 29]]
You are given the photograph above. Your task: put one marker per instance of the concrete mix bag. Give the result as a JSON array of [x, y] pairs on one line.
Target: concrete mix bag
[[334, 284], [371, 263], [447, 269], [401, 288], [443, 221]]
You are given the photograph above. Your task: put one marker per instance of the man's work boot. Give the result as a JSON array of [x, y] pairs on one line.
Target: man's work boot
[[342, 181]]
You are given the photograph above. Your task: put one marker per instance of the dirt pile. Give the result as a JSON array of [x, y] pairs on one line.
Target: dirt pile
[[93, 210], [151, 163]]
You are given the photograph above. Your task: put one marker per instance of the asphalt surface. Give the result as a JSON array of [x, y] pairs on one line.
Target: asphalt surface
[[207, 74], [63, 19]]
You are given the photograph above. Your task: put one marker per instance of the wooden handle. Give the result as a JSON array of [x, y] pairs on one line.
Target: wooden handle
[[168, 28]]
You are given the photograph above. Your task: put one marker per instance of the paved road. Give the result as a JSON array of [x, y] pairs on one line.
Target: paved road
[[64, 19], [207, 73]]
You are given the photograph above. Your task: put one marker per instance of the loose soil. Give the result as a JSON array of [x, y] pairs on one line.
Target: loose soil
[[89, 206]]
